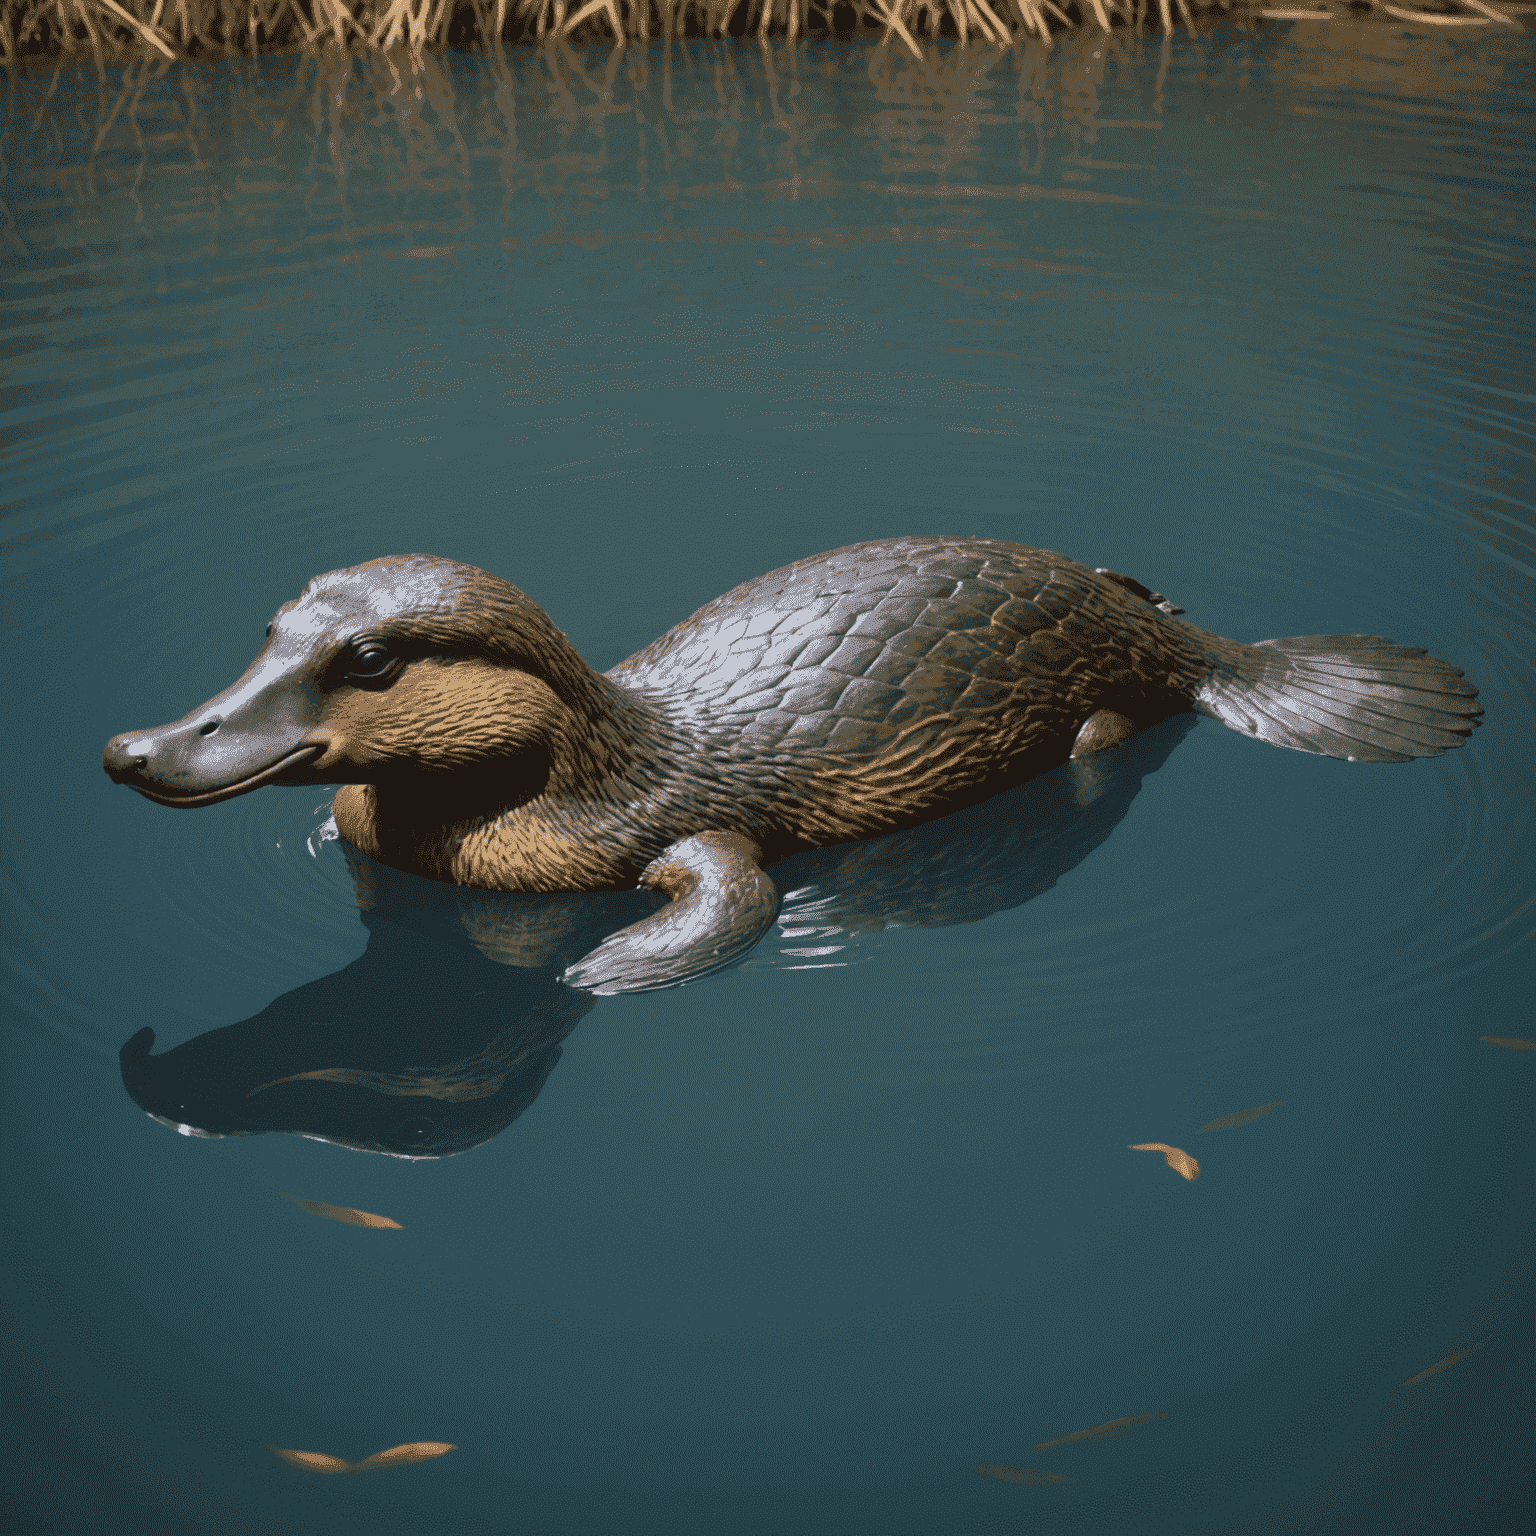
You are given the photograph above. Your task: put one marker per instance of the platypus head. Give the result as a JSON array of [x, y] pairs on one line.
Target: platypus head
[[390, 670]]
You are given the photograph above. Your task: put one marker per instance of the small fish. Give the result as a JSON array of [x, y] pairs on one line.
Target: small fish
[[404, 1455], [1100, 1431], [1509, 1042], [311, 1461], [1444, 1365], [342, 1213], [1242, 1117], [395, 1456], [1020, 1475], [1181, 1162]]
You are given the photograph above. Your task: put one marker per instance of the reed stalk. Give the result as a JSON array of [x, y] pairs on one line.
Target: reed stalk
[[48, 29]]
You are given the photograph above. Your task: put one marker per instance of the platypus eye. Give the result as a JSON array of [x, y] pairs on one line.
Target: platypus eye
[[369, 664]]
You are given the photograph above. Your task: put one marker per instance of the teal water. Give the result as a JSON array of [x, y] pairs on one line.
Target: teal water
[[788, 1250]]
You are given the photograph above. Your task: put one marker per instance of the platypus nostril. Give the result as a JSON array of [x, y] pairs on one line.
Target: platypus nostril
[[209, 728], [120, 758]]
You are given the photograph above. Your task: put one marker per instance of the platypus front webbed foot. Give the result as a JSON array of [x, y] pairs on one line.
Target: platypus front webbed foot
[[722, 904]]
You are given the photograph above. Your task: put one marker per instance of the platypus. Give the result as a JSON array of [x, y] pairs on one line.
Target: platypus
[[849, 694]]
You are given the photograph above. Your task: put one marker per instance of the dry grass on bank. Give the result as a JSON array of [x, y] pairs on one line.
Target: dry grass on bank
[[49, 29]]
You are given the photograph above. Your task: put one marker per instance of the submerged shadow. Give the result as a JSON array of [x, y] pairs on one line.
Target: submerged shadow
[[444, 1030]]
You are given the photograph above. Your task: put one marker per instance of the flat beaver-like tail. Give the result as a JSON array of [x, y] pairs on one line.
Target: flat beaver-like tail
[[1358, 697]]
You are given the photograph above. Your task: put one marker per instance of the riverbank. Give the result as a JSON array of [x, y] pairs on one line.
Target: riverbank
[[40, 31]]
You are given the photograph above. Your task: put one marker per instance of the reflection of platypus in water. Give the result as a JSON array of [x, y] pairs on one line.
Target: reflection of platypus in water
[[444, 1030], [852, 694], [421, 1047]]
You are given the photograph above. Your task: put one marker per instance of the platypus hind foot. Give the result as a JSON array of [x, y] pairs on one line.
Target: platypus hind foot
[[722, 904], [1105, 728]]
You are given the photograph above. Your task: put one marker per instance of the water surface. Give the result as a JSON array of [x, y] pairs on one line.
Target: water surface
[[790, 1250]]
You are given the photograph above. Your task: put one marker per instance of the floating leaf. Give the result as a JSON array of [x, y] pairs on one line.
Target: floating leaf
[[1181, 1162], [404, 1455], [1242, 1117], [1509, 1042], [311, 1461], [343, 1213], [1445, 1364], [1020, 1475], [1105, 1431]]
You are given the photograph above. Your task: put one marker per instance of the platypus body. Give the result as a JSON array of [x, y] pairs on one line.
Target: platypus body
[[846, 695]]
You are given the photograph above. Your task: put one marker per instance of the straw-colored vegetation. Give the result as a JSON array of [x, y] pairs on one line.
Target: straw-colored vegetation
[[207, 28]]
